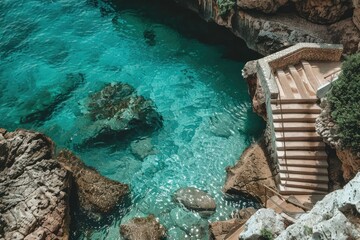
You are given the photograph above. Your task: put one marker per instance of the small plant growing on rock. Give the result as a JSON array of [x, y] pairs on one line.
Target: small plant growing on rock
[[308, 230], [344, 101], [266, 234], [225, 6]]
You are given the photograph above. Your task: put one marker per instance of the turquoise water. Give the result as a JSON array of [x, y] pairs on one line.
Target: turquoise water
[[208, 120]]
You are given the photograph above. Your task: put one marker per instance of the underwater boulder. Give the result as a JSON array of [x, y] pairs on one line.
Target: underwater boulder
[[146, 228], [142, 148], [116, 111], [195, 200]]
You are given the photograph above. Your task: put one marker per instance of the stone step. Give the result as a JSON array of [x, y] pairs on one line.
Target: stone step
[[301, 178], [311, 76], [305, 185], [294, 126], [284, 84], [300, 145], [297, 136], [304, 163], [295, 108], [298, 81], [299, 191], [295, 117], [303, 170], [294, 100], [298, 154]]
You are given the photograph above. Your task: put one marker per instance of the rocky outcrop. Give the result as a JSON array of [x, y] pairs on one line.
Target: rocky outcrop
[[34, 189], [220, 230], [115, 111], [324, 11], [337, 216], [96, 194], [147, 228], [269, 33], [264, 224], [266, 6], [195, 200], [255, 90], [250, 174], [327, 128]]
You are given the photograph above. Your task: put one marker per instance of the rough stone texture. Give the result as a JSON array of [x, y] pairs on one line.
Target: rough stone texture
[[249, 73], [346, 33], [327, 129], [337, 216], [219, 230], [324, 11], [114, 111], [356, 17], [34, 189], [263, 219], [147, 228], [250, 173], [266, 6], [96, 194], [196, 200]]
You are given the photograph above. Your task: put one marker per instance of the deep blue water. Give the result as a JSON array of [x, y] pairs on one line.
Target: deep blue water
[[201, 95]]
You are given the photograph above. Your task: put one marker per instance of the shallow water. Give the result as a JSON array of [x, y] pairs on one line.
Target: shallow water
[[208, 120]]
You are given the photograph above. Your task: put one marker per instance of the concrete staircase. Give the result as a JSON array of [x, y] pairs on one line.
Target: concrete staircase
[[300, 150]]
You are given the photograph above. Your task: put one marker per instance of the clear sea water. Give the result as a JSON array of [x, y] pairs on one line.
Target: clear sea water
[[199, 91]]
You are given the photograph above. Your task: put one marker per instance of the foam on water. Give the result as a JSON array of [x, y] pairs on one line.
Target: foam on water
[[206, 108]]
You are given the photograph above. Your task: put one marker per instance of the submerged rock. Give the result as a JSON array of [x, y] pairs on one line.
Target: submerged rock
[[150, 36], [147, 228], [34, 189], [97, 195], [117, 110], [142, 148], [195, 200], [43, 106]]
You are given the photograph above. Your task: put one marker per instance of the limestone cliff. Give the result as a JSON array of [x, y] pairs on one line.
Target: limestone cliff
[[290, 22]]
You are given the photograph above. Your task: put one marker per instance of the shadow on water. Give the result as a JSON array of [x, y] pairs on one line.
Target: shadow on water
[[184, 21]]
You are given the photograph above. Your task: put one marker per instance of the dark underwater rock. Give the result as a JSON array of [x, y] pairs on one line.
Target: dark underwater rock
[[195, 200], [97, 195], [42, 107], [150, 36], [34, 189], [115, 112], [147, 228]]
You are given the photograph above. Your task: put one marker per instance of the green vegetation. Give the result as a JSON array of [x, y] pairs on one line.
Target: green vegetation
[[225, 5], [344, 100], [308, 230], [266, 234]]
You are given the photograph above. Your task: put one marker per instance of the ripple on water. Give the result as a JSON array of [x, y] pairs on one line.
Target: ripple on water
[[207, 113]]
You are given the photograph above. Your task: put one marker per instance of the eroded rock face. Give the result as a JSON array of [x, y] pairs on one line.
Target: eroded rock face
[[324, 11], [264, 219], [195, 200], [249, 174], [337, 216], [147, 228], [116, 110], [346, 33], [34, 189], [266, 6], [96, 194]]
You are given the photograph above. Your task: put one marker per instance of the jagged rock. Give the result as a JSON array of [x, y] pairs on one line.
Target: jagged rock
[[356, 17], [115, 111], [337, 216], [324, 11], [266, 6], [195, 200], [249, 73], [147, 228], [142, 148], [350, 163], [42, 107], [34, 189], [346, 33], [250, 174], [219, 230], [264, 220], [97, 195]]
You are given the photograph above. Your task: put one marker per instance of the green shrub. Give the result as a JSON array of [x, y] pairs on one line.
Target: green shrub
[[266, 234], [225, 5], [344, 101]]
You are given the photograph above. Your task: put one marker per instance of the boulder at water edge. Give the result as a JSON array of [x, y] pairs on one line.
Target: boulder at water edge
[[97, 195], [195, 200], [147, 228]]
